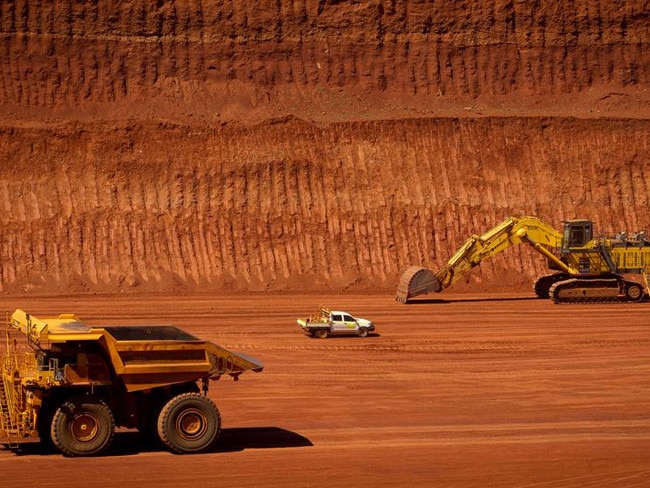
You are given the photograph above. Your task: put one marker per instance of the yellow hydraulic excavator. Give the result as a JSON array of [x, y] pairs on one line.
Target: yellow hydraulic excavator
[[587, 269]]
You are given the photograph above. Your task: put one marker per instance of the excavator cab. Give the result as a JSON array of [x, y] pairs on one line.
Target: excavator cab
[[577, 233]]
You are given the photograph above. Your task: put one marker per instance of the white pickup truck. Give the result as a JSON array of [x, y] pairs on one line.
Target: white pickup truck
[[334, 322]]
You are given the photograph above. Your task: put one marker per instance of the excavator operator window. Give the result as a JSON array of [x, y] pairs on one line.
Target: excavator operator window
[[577, 234]]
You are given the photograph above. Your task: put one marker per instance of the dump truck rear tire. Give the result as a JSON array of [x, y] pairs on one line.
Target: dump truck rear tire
[[83, 427], [189, 423]]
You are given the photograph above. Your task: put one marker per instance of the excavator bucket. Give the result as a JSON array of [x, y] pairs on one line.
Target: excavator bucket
[[417, 281]]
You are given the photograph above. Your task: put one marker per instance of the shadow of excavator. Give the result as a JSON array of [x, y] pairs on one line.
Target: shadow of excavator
[[457, 299]]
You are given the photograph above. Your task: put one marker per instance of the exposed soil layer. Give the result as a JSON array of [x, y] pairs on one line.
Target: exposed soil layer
[[308, 145], [473, 390], [294, 205], [247, 59]]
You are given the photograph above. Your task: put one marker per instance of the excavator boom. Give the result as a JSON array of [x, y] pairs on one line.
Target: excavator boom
[[514, 230]]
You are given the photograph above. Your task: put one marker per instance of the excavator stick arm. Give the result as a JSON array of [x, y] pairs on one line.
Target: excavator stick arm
[[418, 280]]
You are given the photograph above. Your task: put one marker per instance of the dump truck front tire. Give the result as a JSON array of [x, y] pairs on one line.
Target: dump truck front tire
[[82, 427], [189, 423]]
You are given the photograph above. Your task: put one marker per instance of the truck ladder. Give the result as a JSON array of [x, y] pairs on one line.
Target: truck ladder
[[8, 427], [8, 362]]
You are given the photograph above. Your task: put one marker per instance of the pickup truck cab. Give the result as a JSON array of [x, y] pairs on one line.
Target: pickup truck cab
[[335, 322]]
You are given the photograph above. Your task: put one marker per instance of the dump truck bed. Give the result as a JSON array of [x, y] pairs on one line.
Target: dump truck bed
[[143, 356]]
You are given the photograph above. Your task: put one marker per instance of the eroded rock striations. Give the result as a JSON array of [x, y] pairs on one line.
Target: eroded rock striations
[[303, 145]]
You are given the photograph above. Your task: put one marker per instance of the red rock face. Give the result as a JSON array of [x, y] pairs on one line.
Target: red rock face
[[194, 145]]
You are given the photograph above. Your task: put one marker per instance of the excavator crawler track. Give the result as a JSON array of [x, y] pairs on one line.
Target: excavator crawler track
[[543, 284], [581, 290]]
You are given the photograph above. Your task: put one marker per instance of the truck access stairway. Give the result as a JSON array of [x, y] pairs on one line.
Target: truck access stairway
[[8, 428]]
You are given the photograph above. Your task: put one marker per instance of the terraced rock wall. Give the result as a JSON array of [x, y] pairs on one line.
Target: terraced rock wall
[[309, 145], [293, 205], [245, 58]]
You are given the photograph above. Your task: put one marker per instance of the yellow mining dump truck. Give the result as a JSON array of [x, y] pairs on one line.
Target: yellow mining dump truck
[[71, 385]]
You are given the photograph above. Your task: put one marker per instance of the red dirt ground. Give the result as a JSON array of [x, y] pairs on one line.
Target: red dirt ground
[[454, 390]]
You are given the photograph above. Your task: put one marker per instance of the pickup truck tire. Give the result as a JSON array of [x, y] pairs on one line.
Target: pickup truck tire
[[82, 426], [189, 423], [322, 333], [363, 332]]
